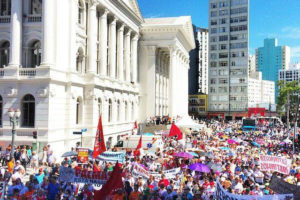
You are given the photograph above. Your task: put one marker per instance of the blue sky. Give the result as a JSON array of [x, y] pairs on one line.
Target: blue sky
[[268, 18]]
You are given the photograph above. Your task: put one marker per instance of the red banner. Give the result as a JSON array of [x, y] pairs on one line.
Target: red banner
[[99, 146]]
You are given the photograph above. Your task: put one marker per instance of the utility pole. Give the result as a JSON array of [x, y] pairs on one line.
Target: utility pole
[[295, 126], [288, 111]]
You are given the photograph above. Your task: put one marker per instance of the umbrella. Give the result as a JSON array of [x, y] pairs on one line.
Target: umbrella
[[148, 134], [70, 154], [194, 154], [288, 141], [225, 148], [183, 155], [215, 167], [255, 144], [199, 167], [230, 141]]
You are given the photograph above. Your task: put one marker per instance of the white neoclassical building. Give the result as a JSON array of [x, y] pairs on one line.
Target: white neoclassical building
[[65, 62]]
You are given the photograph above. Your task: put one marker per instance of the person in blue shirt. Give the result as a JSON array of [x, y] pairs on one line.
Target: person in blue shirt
[[53, 189], [40, 176]]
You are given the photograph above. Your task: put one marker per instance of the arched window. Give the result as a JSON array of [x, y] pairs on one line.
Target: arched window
[[109, 110], [1, 109], [118, 111], [5, 7], [4, 54], [28, 111], [78, 111], [79, 61], [35, 7], [126, 111], [80, 12], [99, 106], [34, 55]]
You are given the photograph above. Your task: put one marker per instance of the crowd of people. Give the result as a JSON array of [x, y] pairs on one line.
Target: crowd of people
[[236, 166]]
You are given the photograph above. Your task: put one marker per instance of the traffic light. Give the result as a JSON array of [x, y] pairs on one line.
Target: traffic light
[[34, 134]]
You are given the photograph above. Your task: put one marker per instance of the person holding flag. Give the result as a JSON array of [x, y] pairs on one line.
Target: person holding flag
[[137, 151], [99, 146]]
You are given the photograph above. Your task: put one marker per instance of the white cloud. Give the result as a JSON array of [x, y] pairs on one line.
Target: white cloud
[[290, 32], [295, 51]]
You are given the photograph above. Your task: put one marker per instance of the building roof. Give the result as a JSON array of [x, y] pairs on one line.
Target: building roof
[[184, 23]]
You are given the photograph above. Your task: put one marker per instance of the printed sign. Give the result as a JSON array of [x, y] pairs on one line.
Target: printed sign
[[82, 176], [83, 155], [281, 187], [171, 173], [275, 164], [112, 156], [222, 194], [2, 190], [139, 171]]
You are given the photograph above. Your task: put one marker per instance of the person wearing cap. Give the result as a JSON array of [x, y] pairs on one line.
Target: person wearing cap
[[135, 194]]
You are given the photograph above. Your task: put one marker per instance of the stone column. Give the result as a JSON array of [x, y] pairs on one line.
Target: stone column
[[172, 83], [127, 55], [103, 43], [92, 40], [120, 50], [150, 79], [15, 33], [48, 32], [134, 46], [112, 47]]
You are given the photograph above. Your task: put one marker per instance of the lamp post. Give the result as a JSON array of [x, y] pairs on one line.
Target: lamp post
[[14, 116]]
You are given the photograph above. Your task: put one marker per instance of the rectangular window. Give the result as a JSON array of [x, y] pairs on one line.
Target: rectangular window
[[213, 30], [213, 5], [238, 2], [213, 22], [213, 81], [238, 10], [213, 56], [223, 55], [223, 46], [222, 30], [213, 39], [213, 64], [213, 47], [223, 81], [223, 64], [223, 72], [238, 28], [223, 4], [223, 38], [214, 13], [223, 21], [239, 45], [213, 90], [223, 12]]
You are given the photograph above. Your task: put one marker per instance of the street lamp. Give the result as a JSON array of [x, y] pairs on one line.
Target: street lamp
[[14, 116]]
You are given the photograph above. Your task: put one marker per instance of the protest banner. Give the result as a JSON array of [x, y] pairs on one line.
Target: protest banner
[[171, 173], [82, 176], [139, 171], [112, 156], [222, 194], [83, 155], [281, 187], [2, 190], [275, 164]]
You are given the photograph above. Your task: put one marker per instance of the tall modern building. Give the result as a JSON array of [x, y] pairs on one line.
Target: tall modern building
[[228, 58], [198, 73], [271, 58]]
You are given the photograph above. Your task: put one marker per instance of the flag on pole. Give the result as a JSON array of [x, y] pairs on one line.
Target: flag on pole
[[175, 131], [99, 146], [113, 184], [139, 146]]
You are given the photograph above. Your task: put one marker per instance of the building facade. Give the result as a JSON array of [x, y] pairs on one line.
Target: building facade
[[271, 58], [291, 74], [198, 105], [261, 92], [65, 63], [198, 73], [228, 57]]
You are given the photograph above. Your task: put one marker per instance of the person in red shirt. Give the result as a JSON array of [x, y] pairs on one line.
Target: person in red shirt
[[163, 181]]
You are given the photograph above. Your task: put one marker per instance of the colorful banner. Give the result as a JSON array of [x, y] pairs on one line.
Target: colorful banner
[[2, 190], [275, 164], [112, 156], [281, 187], [222, 194], [139, 171], [171, 173], [82, 176], [83, 155]]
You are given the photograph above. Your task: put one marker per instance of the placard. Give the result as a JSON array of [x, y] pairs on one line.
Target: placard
[[275, 164], [83, 155], [139, 171], [112, 156]]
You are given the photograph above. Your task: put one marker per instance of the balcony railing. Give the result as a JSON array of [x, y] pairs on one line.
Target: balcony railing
[[4, 19], [34, 18], [30, 72]]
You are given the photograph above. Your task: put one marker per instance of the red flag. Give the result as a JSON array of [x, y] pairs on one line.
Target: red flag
[[175, 131], [99, 146], [114, 183], [137, 150], [135, 125]]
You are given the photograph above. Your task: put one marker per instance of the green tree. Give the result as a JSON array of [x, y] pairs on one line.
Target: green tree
[[288, 98]]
